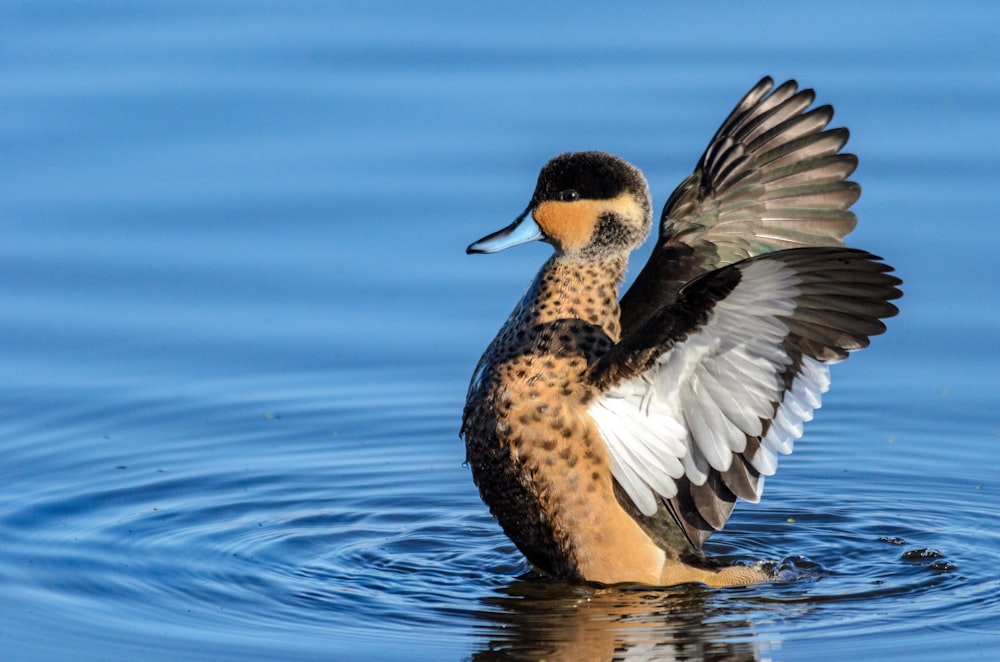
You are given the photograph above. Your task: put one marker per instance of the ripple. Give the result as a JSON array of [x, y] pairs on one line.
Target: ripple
[[326, 506], [321, 512]]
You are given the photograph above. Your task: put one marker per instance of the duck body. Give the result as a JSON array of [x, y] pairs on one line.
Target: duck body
[[536, 452], [532, 446], [609, 439]]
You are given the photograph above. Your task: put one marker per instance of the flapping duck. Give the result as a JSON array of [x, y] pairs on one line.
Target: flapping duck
[[610, 438]]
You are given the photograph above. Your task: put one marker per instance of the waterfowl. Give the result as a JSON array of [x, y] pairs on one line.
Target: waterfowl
[[610, 438]]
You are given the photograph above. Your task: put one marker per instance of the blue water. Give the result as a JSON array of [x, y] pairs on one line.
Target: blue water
[[237, 324]]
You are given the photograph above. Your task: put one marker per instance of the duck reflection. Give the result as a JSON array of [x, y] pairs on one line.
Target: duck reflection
[[539, 619]]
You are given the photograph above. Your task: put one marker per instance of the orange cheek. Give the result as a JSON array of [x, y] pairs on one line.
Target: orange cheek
[[570, 225]]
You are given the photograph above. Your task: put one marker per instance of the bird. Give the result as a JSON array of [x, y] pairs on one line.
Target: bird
[[611, 435]]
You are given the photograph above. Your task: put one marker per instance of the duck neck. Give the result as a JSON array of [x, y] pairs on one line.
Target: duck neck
[[571, 288]]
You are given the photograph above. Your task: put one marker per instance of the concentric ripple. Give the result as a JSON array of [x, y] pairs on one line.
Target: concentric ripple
[[336, 509], [315, 514]]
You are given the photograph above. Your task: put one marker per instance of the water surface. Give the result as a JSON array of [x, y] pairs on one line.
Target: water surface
[[237, 324]]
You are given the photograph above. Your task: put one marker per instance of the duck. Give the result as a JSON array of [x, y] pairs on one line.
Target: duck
[[610, 435]]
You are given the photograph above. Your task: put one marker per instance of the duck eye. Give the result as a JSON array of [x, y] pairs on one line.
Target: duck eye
[[569, 195]]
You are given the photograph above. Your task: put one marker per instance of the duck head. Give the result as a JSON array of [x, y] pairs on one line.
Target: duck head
[[586, 204]]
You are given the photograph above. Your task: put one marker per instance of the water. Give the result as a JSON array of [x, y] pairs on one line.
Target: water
[[237, 325]]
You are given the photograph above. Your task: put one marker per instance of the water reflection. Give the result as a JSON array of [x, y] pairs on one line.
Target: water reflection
[[540, 619]]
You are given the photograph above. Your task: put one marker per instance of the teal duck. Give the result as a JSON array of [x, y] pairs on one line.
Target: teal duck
[[610, 438]]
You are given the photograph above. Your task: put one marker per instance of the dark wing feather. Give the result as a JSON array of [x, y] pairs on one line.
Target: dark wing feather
[[712, 387], [771, 178]]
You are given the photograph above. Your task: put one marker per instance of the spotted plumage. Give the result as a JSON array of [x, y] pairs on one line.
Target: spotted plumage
[[610, 439]]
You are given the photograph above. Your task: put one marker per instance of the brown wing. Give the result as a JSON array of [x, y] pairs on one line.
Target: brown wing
[[771, 178]]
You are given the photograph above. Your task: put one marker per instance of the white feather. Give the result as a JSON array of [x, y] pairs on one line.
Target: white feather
[[719, 457], [696, 467], [737, 408], [694, 408], [765, 461]]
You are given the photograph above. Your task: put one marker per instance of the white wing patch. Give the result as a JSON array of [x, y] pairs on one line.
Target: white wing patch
[[699, 402]]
